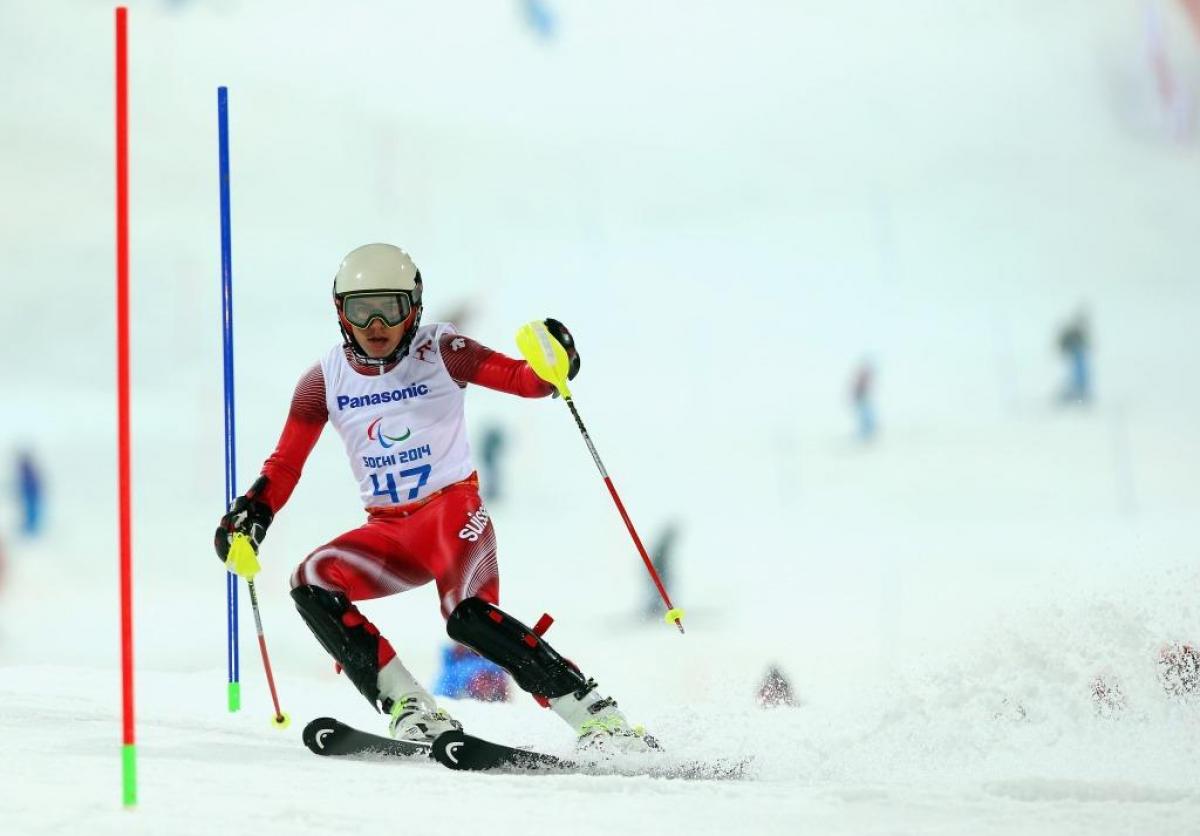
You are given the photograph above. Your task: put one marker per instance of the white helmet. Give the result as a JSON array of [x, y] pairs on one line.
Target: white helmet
[[378, 272]]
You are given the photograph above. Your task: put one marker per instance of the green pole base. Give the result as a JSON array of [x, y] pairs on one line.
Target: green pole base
[[235, 696], [129, 774]]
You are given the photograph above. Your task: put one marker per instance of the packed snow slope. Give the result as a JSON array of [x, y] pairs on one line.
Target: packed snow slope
[[731, 204]]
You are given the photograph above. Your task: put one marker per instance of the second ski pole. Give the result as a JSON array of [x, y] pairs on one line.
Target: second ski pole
[[549, 359]]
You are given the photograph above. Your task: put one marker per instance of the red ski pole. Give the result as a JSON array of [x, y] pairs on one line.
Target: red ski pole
[[281, 720], [549, 360], [673, 613], [243, 560]]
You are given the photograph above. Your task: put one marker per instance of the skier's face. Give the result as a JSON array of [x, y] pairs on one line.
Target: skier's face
[[377, 339]]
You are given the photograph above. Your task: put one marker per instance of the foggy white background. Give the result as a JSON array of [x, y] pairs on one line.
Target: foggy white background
[[730, 205]]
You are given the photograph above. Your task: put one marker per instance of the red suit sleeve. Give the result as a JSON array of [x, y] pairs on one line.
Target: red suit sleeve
[[469, 362], [306, 418]]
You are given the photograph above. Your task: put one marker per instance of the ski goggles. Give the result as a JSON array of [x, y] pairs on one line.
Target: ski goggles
[[393, 308]]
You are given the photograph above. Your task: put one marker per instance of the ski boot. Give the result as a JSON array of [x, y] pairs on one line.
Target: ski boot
[[418, 720], [602, 728]]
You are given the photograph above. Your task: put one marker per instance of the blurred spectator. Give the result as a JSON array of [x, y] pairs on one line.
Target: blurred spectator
[[775, 690], [30, 494], [1176, 96], [1108, 698], [1179, 670], [1178, 675], [1074, 342], [661, 556], [862, 395], [491, 452], [467, 674]]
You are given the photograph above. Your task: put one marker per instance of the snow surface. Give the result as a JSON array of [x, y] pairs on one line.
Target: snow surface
[[730, 204]]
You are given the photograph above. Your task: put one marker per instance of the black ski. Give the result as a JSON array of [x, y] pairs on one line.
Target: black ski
[[327, 736], [456, 750], [459, 751]]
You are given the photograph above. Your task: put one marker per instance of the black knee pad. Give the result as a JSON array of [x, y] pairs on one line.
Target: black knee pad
[[497, 636], [355, 648]]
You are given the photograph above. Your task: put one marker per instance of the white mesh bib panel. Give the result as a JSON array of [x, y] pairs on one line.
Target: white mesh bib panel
[[404, 430]]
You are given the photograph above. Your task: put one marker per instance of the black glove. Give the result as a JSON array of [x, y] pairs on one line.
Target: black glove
[[560, 333], [249, 515]]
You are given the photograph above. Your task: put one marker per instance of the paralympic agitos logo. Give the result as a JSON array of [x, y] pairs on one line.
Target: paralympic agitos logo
[[375, 433]]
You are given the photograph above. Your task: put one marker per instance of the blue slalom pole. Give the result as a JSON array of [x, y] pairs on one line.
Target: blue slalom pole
[[231, 587]]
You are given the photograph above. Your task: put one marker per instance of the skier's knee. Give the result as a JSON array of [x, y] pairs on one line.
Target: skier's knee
[[314, 599], [295, 580], [497, 636], [317, 569]]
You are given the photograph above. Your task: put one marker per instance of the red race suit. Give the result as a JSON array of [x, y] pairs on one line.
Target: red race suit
[[445, 535]]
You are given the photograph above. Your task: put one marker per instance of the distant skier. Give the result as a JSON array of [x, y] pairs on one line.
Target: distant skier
[[393, 389], [30, 494], [661, 556], [491, 453], [862, 397], [540, 18], [1074, 342]]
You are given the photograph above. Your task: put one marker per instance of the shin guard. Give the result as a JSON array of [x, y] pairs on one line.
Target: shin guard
[[351, 640], [500, 638]]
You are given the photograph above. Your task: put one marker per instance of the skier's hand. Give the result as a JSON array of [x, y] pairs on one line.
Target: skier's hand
[[560, 333], [242, 530]]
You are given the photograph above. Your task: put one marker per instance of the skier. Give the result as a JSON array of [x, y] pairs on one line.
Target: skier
[[1074, 343], [862, 396], [492, 448], [31, 493], [393, 389], [662, 557]]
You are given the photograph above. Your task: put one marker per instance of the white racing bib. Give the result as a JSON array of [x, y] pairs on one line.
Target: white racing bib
[[405, 430]]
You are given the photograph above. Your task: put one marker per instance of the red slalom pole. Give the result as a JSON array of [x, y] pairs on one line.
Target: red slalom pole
[[124, 503]]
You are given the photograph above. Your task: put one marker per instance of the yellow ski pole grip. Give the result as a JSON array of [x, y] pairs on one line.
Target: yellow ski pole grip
[[545, 355], [242, 559]]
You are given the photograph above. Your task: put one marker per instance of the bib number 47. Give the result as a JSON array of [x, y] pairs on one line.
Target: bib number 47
[[390, 489]]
